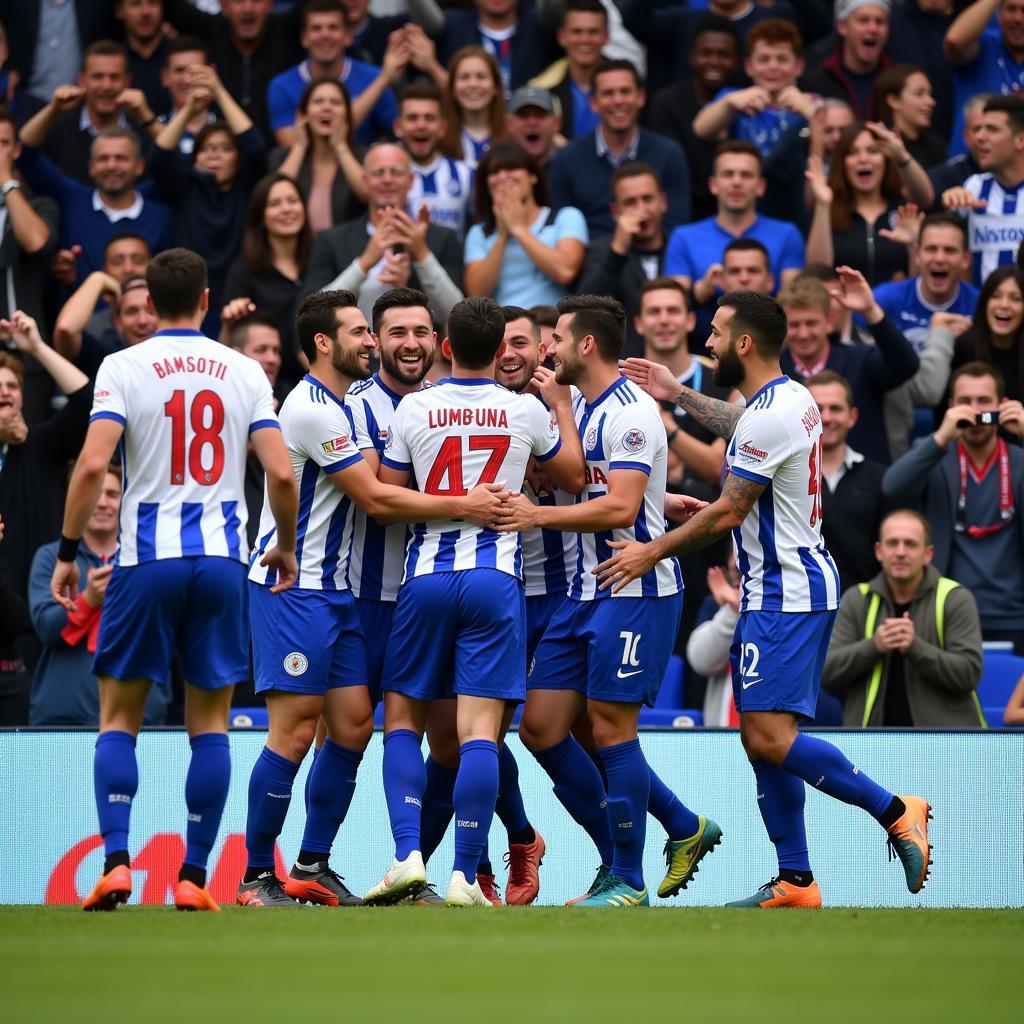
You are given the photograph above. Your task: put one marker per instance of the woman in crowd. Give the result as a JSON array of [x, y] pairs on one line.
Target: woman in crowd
[[904, 101], [520, 252], [324, 158], [474, 105], [268, 274], [856, 207]]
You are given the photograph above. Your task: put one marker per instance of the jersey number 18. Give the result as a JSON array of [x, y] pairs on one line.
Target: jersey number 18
[[203, 434]]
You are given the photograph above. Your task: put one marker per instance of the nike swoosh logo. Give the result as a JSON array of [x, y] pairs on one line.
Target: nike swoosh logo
[[753, 682], [626, 675]]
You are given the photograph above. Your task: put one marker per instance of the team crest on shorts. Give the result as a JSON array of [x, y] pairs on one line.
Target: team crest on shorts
[[634, 440], [295, 663]]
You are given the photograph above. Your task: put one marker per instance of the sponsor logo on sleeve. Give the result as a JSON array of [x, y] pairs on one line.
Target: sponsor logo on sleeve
[[336, 444], [100, 395], [750, 452], [634, 441]]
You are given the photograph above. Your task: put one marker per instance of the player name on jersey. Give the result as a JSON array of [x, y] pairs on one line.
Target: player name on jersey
[[493, 419], [190, 364]]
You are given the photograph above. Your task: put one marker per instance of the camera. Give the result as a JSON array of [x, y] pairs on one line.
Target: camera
[[986, 419]]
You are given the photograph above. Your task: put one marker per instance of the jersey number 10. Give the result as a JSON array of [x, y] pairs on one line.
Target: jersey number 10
[[203, 434], [448, 463]]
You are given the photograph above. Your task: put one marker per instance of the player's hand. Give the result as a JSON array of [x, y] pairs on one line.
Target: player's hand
[[954, 420], [96, 585], [632, 561], [952, 322], [907, 227], [821, 191], [1011, 416], [285, 565], [483, 504], [961, 199], [681, 507], [64, 584], [518, 514], [23, 332], [722, 590], [657, 380], [67, 97], [553, 393], [63, 266]]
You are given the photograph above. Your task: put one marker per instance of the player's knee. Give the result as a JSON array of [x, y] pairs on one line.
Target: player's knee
[[764, 745], [295, 741], [536, 735]]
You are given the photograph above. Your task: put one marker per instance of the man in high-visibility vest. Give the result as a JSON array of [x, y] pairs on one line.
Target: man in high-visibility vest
[[906, 647]]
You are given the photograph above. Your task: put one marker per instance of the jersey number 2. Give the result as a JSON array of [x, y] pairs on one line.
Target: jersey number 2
[[814, 482], [449, 463], [203, 434]]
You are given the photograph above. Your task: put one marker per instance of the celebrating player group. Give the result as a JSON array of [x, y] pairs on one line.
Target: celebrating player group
[[455, 550]]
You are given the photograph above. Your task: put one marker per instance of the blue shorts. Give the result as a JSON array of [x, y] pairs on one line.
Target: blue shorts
[[305, 641], [777, 658], [375, 617], [195, 607], [539, 610], [459, 633], [613, 649]]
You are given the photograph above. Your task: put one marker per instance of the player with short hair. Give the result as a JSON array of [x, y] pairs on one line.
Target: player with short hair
[[771, 501], [182, 409], [609, 655], [459, 622], [308, 651]]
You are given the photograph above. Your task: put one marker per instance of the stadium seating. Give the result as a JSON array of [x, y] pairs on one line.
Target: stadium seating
[[999, 674]]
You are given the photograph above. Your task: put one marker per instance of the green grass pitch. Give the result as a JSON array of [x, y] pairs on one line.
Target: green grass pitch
[[425, 964]]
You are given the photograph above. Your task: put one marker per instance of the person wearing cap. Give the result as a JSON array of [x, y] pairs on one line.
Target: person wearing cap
[[583, 35], [535, 123], [849, 73]]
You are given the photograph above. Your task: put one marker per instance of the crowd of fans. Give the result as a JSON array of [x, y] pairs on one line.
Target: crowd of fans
[[863, 163]]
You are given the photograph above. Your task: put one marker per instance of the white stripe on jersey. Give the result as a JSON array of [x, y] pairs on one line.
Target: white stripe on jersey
[[377, 559], [779, 551], [549, 556], [995, 233], [187, 405], [623, 429], [462, 432], [319, 435], [445, 187]]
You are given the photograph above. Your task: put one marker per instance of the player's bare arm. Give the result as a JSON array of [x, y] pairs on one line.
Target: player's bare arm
[[566, 468], [283, 494], [657, 380]]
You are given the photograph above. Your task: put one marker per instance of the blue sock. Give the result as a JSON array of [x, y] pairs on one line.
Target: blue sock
[[676, 818], [309, 778], [115, 780], [405, 779], [780, 799], [629, 789], [270, 793], [509, 807], [206, 792], [826, 768], [476, 790], [437, 806], [579, 790], [333, 782]]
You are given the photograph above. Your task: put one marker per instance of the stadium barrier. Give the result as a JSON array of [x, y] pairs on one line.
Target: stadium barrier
[[974, 780]]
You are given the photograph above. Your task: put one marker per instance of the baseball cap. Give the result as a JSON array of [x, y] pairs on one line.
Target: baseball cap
[[528, 96]]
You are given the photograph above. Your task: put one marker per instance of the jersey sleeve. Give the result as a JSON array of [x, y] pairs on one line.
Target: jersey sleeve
[[325, 435], [632, 436], [396, 452], [262, 414], [762, 443], [356, 410], [110, 395], [544, 435]]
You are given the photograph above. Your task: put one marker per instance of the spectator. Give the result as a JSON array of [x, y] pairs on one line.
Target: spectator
[[325, 34], [972, 494], [852, 504], [184, 53], [707, 649], [443, 185], [474, 105], [534, 122], [581, 173], [64, 690], [856, 208], [126, 256], [14, 622], [906, 648], [987, 198], [385, 248], [35, 459], [850, 72], [583, 35], [619, 264], [146, 46], [997, 334], [695, 250], [324, 157], [714, 62], [368, 32], [957, 169], [871, 370], [746, 267], [268, 274], [91, 216], [904, 101], [519, 251]]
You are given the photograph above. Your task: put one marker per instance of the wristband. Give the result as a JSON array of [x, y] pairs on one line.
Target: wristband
[[67, 551]]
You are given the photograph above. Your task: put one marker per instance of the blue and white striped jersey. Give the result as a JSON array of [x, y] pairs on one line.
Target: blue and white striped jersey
[[445, 187], [995, 233], [779, 551], [187, 405], [549, 556], [623, 429], [319, 435], [462, 432], [377, 560]]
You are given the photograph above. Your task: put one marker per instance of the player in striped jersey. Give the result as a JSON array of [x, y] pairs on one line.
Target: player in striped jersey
[[182, 409], [771, 502], [458, 626], [993, 201], [308, 654], [609, 655]]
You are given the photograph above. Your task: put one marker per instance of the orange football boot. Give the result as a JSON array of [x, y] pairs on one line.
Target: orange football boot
[[188, 896], [114, 887], [523, 878], [777, 893], [908, 840]]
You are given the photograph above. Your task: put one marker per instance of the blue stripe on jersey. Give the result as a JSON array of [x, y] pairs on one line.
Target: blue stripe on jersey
[[373, 428], [374, 548], [263, 425], [192, 529], [402, 467], [554, 555], [444, 560], [986, 188], [771, 571], [307, 488], [487, 549], [646, 470], [748, 475], [115, 416], [815, 579], [556, 448], [229, 509], [428, 182], [602, 552], [334, 467], [518, 565], [332, 544], [145, 532], [742, 563], [418, 533], [649, 581]]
